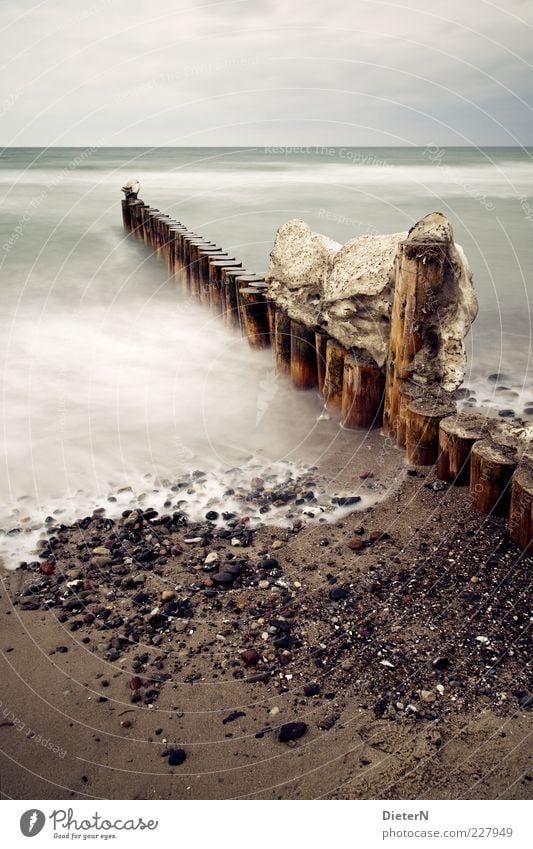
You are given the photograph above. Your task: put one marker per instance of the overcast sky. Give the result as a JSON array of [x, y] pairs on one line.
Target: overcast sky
[[266, 72]]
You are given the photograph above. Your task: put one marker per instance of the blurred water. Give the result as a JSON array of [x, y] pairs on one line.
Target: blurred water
[[109, 374]]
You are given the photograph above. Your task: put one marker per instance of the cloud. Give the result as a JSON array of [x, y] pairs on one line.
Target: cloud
[[265, 72]]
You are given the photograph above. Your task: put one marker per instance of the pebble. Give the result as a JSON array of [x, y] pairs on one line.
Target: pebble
[[100, 551], [356, 544], [176, 757], [212, 557], [338, 594], [346, 500], [250, 657], [292, 731], [168, 595], [427, 695], [441, 663], [311, 689], [263, 585]]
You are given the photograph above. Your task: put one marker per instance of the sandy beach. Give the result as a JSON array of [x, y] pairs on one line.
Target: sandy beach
[[381, 656]]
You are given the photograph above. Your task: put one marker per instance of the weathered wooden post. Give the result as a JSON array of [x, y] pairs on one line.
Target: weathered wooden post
[[192, 271], [407, 392], [126, 215], [362, 391], [304, 372], [424, 415], [521, 512], [230, 277], [321, 341], [492, 464], [457, 435], [334, 374], [201, 267], [184, 257], [254, 318], [217, 290], [282, 342]]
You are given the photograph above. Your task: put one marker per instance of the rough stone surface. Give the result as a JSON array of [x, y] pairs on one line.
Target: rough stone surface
[[348, 290]]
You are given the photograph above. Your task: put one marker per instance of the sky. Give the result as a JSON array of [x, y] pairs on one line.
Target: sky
[[266, 72]]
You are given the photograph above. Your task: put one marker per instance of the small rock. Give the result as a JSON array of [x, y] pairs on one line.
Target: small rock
[[356, 544], [427, 695], [250, 657], [441, 663], [168, 595], [292, 731], [338, 594], [176, 757], [311, 689], [101, 551]]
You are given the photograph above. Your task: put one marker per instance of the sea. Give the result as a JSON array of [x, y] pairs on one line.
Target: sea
[[113, 380]]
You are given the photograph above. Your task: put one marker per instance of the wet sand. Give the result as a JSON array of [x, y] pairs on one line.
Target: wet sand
[[391, 645]]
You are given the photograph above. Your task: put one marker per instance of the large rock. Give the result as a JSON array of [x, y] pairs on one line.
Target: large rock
[[348, 291]]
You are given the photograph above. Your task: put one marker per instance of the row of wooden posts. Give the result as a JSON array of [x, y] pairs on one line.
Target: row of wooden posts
[[465, 446]]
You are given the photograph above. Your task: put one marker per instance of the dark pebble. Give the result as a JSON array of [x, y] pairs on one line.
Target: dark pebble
[[250, 657], [441, 663], [338, 594], [231, 717], [312, 689], [292, 731], [346, 500], [176, 757]]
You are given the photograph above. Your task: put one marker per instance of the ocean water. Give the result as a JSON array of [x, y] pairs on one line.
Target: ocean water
[[110, 377]]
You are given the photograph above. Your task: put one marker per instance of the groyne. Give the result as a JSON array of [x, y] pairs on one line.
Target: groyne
[[376, 327]]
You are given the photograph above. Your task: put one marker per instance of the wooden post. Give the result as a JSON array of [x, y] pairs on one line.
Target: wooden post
[[135, 216], [183, 257], [457, 435], [407, 392], [420, 271], [334, 374], [217, 293], [178, 231], [492, 464], [303, 356], [424, 415], [201, 267], [254, 317], [362, 391], [271, 317], [521, 513], [243, 281], [149, 226], [126, 216], [191, 268], [282, 342], [230, 276], [321, 341]]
